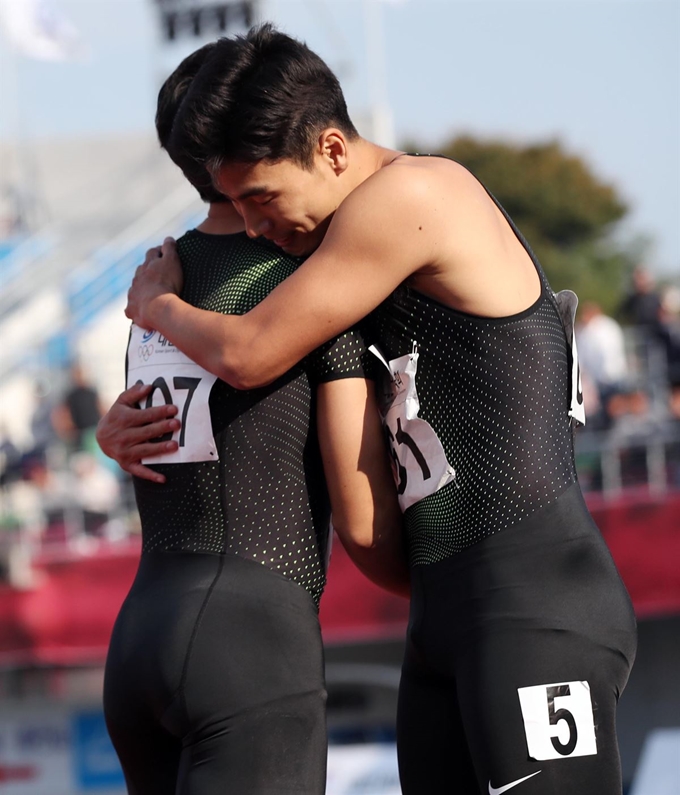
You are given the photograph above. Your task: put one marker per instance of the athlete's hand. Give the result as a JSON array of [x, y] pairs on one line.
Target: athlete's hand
[[160, 275], [125, 432]]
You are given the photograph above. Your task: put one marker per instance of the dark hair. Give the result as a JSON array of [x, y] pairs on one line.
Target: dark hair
[[170, 98], [262, 96]]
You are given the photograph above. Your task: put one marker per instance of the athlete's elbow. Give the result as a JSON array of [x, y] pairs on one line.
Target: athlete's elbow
[[242, 372], [363, 538]]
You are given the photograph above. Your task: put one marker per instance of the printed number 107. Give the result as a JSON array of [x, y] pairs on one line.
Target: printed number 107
[[179, 382]]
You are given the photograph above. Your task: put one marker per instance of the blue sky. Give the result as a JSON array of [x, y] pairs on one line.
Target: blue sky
[[603, 76]]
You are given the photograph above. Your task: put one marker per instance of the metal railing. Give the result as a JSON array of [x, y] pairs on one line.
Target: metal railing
[[614, 461]]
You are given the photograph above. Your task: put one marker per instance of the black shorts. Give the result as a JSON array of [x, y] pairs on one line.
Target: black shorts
[[518, 650], [214, 680]]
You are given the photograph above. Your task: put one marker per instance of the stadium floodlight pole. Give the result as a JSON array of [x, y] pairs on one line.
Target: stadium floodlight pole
[[382, 125]]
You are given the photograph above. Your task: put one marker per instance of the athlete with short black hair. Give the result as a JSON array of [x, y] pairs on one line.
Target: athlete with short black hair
[[521, 634], [214, 678]]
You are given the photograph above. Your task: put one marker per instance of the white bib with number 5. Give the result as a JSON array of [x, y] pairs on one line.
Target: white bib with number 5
[[177, 380], [559, 720]]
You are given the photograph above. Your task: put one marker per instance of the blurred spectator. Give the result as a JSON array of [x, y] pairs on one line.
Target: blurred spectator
[[669, 334], [601, 349], [10, 459], [602, 355], [51, 498], [641, 306], [42, 427], [76, 418], [96, 491]]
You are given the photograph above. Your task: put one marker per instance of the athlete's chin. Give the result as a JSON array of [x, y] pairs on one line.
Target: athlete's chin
[[298, 245]]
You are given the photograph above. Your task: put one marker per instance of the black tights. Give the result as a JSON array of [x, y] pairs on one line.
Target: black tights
[[214, 681], [518, 650]]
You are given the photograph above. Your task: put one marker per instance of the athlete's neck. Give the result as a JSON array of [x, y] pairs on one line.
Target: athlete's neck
[[367, 158], [222, 219]]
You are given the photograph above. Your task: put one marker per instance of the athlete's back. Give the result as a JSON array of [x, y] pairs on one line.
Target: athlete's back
[[261, 493], [217, 649]]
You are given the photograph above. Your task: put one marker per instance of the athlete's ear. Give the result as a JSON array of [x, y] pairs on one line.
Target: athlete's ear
[[332, 148]]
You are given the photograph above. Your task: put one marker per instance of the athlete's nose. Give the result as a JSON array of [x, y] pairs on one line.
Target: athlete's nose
[[256, 225]]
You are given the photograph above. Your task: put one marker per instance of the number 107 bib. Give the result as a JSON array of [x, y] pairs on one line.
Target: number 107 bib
[[176, 380]]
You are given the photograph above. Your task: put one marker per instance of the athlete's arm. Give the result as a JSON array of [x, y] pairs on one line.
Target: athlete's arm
[[366, 514], [125, 432], [372, 245]]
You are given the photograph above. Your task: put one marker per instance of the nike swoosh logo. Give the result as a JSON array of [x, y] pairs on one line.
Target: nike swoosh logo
[[499, 790]]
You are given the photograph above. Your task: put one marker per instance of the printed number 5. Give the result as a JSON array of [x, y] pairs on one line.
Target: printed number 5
[[179, 382], [561, 714]]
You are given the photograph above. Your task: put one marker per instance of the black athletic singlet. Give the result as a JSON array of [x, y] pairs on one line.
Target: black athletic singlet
[[496, 393], [521, 634], [214, 679], [265, 499]]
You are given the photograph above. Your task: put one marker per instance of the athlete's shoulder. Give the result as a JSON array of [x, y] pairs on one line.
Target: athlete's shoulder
[[190, 236], [420, 180], [438, 174], [196, 244], [197, 237]]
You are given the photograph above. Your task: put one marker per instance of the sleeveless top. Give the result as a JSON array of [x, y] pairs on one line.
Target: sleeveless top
[[477, 412], [251, 480]]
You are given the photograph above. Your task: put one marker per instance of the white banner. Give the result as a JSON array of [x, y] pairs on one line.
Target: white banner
[[38, 30]]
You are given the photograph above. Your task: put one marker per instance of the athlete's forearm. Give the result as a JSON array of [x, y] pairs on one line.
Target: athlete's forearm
[[366, 513], [383, 561], [223, 344], [348, 276]]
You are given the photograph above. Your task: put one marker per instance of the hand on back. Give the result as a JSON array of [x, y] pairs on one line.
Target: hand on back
[[159, 275]]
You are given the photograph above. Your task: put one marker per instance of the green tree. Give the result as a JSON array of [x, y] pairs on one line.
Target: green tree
[[566, 213]]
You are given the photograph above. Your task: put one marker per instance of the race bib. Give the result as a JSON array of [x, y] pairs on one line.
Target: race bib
[[176, 379], [567, 301], [418, 458], [558, 720]]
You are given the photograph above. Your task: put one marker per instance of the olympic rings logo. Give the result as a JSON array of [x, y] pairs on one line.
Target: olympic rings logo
[[145, 352]]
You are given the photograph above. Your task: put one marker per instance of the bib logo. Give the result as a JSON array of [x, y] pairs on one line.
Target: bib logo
[[145, 352], [146, 349]]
